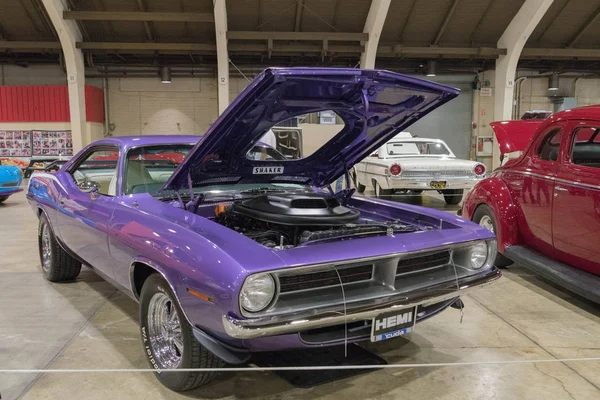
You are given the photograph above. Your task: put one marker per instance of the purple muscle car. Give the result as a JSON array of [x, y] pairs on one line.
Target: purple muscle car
[[230, 253]]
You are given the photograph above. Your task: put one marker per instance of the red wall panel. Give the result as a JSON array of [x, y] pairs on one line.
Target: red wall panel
[[46, 104]]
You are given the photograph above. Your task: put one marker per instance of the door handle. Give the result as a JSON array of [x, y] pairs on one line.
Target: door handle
[[560, 189]]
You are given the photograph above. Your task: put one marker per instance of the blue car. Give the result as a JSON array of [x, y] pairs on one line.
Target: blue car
[[10, 181]]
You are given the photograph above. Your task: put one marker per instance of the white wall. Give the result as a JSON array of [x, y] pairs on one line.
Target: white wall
[[144, 106], [12, 75], [314, 136]]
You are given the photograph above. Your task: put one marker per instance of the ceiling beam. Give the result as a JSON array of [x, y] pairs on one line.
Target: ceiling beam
[[560, 53], [407, 20], [445, 23], [480, 23], [138, 16], [300, 36], [584, 28], [438, 51], [299, 11], [147, 27], [126, 46], [13, 45], [551, 22]]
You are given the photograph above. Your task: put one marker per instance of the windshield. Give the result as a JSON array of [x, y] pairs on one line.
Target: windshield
[[148, 168], [417, 148]]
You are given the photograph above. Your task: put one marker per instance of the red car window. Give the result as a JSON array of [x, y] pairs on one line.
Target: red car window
[[586, 147], [550, 145]]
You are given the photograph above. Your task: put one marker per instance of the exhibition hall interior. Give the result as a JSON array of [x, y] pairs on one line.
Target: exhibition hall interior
[[300, 199]]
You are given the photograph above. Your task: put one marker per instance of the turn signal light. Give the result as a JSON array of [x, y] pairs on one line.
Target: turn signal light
[[395, 169], [479, 169]]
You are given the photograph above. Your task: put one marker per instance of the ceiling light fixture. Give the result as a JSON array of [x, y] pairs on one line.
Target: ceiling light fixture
[[430, 68], [553, 82], [165, 75]]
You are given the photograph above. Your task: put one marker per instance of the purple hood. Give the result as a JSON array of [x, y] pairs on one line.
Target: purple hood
[[374, 105]]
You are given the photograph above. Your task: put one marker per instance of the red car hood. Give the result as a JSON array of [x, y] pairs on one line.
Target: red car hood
[[514, 135]]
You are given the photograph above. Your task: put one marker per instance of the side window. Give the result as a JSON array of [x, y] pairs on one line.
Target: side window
[[586, 147], [550, 145], [100, 167]]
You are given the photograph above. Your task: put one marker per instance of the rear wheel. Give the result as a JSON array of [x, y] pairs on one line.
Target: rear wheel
[[453, 196], [57, 264], [3, 199], [485, 218], [168, 340]]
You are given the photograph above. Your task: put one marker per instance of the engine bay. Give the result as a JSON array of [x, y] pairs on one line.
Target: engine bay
[[288, 220]]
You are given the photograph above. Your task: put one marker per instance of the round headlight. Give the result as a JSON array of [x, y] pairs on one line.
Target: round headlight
[[257, 292], [479, 254]]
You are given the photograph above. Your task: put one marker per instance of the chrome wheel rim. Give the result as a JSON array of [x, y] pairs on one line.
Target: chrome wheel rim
[[164, 331], [46, 248], [486, 222]]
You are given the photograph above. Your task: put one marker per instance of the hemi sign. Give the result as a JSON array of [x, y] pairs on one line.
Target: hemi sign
[[267, 170], [392, 324], [393, 321]]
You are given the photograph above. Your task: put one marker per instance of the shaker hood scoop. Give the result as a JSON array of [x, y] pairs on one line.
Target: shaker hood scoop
[[374, 104]]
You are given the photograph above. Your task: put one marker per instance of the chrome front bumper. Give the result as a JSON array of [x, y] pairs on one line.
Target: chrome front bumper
[[292, 323]]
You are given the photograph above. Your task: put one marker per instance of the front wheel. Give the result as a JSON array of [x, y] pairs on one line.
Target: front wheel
[[3, 199], [485, 218], [453, 196], [168, 340]]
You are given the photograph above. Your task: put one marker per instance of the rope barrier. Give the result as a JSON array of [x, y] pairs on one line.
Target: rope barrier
[[298, 368]]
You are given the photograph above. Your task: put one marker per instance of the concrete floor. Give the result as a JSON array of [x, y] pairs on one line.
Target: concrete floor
[[87, 324]]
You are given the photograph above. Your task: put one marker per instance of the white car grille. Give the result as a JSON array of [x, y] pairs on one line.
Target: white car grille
[[450, 173]]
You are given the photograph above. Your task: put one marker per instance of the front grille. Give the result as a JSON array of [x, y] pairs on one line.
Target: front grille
[[321, 279], [10, 184], [453, 173], [420, 263]]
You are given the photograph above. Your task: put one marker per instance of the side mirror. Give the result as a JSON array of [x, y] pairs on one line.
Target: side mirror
[[89, 187]]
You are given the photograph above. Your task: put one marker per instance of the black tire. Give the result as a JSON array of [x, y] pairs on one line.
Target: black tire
[[61, 266], [483, 211], [194, 355], [382, 193], [3, 199], [453, 196]]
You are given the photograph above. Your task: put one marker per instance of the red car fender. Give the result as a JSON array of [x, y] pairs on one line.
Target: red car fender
[[494, 193]]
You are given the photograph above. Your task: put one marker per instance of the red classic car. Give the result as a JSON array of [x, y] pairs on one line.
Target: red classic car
[[544, 206]]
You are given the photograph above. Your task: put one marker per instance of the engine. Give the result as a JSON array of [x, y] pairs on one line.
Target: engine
[[287, 220]]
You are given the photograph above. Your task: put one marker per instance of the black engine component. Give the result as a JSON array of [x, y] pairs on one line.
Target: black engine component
[[296, 209]]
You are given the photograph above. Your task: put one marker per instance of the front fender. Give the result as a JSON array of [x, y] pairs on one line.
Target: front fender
[[496, 195]]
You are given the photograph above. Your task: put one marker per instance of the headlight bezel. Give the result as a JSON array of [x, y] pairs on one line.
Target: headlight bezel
[[264, 305], [462, 256], [478, 255]]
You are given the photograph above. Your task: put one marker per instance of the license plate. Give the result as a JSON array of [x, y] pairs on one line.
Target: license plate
[[437, 184], [393, 323]]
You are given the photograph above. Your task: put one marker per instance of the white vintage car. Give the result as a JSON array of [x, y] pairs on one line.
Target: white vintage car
[[416, 164]]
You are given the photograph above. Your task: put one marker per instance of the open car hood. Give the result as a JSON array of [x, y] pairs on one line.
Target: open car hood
[[374, 104], [514, 135]]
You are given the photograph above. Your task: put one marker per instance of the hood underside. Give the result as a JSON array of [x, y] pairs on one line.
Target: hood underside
[[374, 105]]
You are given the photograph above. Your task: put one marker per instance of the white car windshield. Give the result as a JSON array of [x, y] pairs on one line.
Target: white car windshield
[[416, 148]]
